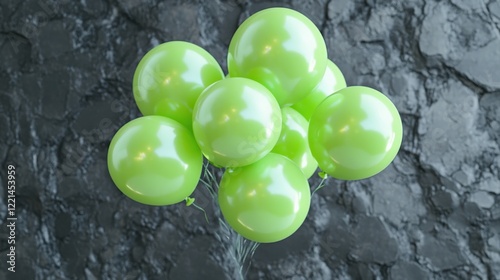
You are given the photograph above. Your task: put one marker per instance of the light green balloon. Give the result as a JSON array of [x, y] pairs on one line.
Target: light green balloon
[[236, 121], [171, 76], [155, 160], [266, 201], [355, 133], [293, 141], [281, 49], [332, 81]]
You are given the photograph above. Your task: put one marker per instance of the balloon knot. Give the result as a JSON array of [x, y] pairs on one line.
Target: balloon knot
[[189, 200]]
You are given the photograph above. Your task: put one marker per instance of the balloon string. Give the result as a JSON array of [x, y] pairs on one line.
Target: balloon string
[[203, 210], [250, 250], [241, 249], [321, 184], [208, 187], [211, 184], [190, 201]]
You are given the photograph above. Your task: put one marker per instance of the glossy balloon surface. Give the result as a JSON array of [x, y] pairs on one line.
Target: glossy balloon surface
[[155, 160], [266, 201], [293, 141], [332, 81], [236, 122], [281, 49], [355, 133], [170, 77]]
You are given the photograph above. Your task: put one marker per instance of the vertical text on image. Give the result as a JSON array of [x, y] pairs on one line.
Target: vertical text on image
[[11, 217]]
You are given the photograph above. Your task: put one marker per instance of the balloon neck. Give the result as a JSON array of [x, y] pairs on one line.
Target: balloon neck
[[189, 200], [322, 174]]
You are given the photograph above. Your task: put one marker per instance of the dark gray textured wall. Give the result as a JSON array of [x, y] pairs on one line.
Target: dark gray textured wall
[[66, 71]]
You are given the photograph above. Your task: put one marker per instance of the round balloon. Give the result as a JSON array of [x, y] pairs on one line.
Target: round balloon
[[355, 133], [170, 77], [332, 81], [236, 121], [281, 49], [293, 141], [266, 201], [155, 160]]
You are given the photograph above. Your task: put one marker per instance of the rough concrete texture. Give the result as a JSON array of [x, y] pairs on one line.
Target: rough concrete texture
[[66, 72]]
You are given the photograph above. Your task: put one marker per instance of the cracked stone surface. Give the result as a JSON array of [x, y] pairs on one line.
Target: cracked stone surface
[[66, 74]]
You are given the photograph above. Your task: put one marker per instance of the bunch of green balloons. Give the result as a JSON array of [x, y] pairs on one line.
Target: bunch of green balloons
[[283, 109]]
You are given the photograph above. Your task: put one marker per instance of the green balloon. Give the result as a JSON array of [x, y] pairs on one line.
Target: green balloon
[[281, 49], [266, 201], [293, 141], [155, 160], [355, 133], [171, 76], [236, 121], [332, 81]]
